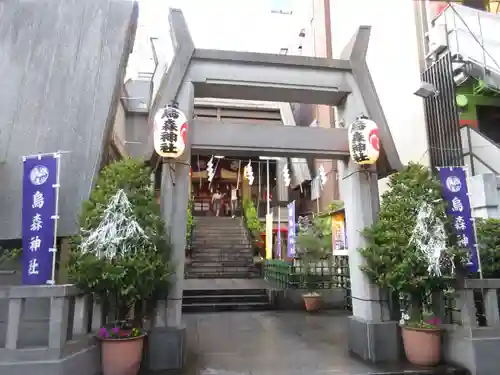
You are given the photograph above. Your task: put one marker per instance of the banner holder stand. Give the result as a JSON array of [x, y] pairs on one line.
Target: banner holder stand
[[55, 217], [466, 171]]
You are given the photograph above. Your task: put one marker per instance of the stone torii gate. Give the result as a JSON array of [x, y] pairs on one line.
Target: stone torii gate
[[344, 83]]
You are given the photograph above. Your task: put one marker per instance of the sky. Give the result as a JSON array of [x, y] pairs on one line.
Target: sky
[[242, 25]]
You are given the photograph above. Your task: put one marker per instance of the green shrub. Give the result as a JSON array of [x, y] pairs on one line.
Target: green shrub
[[488, 240], [254, 225], [128, 278], [392, 259], [190, 221]]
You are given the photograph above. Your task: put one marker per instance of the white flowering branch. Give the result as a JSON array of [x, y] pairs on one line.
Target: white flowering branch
[[118, 233], [429, 236]]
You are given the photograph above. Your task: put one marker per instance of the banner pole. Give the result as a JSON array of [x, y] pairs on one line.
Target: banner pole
[[55, 217], [466, 172], [238, 178]]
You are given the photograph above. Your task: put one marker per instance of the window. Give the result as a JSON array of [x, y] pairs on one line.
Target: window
[[281, 6], [476, 4]]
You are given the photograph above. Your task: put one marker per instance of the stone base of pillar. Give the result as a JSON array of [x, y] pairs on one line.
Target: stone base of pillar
[[166, 349], [374, 341]]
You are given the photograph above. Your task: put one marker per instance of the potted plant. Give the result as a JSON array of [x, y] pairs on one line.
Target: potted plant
[[410, 251], [121, 257], [314, 244]]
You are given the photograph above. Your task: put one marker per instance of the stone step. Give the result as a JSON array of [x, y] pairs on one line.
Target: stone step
[[220, 241], [221, 248], [225, 248], [220, 236], [217, 231], [210, 300], [229, 252], [223, 275], [219, 224], [246, 260], [222, 263], [221, 255], [225, 306], [225, 298], [208, 227], [213, 219], [227, 291], [204, 268]]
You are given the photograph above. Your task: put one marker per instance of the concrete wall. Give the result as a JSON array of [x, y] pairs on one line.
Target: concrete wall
[[322, 31], [393, 61], [484, 190], [119, 124], [62, 64]]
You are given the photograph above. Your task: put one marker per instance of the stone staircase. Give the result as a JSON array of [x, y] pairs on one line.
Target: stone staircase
[[204, 300], [221, 249]]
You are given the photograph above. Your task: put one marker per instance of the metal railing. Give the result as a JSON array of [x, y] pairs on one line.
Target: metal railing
[[481, 154], [330, 273]]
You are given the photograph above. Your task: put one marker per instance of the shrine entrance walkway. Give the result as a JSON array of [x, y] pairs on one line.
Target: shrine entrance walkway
[[270, 343]]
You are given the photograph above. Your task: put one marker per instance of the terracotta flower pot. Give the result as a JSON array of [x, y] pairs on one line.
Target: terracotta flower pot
[[422, 345], [312, 302], [121, 356]]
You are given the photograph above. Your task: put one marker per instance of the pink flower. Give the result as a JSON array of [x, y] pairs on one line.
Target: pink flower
[[103, 332], [435, 321]]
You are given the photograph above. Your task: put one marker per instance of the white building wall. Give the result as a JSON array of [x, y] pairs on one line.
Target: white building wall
[[393, 60]]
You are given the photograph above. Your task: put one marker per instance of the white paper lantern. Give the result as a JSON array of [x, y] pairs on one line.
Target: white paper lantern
[[364, 141], [170, 132]]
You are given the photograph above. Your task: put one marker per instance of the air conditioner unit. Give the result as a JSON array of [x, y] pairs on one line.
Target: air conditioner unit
[[438, 39]]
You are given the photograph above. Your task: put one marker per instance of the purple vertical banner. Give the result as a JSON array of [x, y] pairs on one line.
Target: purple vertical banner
[[279, 233], [38, 218], [291, 230], [456, 194]]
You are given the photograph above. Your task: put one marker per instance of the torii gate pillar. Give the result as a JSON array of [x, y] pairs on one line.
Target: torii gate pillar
[[372, 335]]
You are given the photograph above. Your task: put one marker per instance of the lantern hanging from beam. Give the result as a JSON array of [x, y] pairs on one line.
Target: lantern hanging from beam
[[364, 142], [170, 132]]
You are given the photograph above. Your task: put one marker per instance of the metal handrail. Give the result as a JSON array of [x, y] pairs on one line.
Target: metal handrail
[[474, 155]]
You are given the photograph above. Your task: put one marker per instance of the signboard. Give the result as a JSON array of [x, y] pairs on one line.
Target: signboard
[[338, 235], [39, 215], [269, 236], [291, 230], [455, 192]]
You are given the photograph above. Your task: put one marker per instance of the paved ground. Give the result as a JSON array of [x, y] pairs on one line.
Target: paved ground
[[269, 343]]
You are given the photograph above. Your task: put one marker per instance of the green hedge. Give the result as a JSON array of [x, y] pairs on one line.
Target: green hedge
[[488, 239]]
